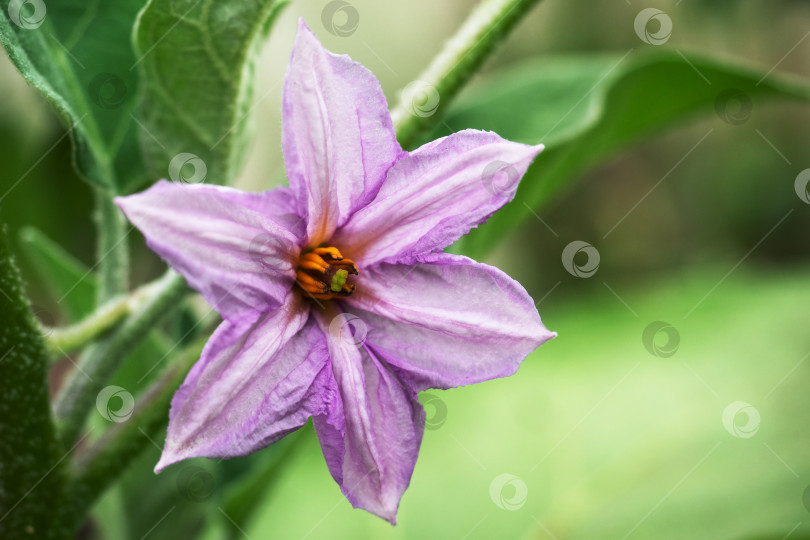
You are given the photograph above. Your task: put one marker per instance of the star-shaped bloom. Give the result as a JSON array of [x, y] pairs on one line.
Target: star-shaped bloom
[[337, 301]]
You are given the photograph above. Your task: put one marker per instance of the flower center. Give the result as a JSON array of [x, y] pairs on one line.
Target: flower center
[[323, 273]]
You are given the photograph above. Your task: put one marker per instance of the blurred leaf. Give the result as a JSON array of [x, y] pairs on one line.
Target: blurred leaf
[[585, 108], [79, 55], [197, 63], [609, 440], [247, 495], [68, 280]]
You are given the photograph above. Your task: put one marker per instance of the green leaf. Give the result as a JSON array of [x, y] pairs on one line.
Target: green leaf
[[196, 57], [68, 280], [585, 108], [79, 55], [28, 449]]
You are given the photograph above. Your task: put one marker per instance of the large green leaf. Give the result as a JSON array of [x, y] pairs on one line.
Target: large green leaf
[[196, 57], [80, 56], [584, 108]]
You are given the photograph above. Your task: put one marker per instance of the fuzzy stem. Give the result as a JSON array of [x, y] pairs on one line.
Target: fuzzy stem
[[112, 249], [99, 465], [463, 54], [63, 340], [30, 461], [100, 363]]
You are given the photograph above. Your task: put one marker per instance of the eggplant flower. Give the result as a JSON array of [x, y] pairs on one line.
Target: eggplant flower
[[337, 301]]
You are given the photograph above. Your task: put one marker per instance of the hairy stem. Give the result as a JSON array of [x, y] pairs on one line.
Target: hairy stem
[[30, 461], [113, 248], [66, 339], [423, 102], [101, 362], [99, 466]]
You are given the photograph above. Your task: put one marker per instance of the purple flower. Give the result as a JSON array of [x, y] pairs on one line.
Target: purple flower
[[310, 332]]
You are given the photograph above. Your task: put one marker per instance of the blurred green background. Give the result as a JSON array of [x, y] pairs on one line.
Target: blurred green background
[[601, 434]]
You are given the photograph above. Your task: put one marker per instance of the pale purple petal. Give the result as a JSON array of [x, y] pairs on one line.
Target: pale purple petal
[[371, 437], [257, 381], [447, 321], [337, 135], [239, 259], [435, 195]]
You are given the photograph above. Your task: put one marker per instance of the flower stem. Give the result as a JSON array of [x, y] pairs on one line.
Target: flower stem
[[63, 340], [101, 361], [463, 54], [99, 465], [113, 248]]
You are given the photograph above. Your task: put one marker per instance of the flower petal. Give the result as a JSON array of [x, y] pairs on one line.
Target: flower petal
[[239, 259], [435, 195], [448, 321], [371, 435], [257, 381], [337, 134]]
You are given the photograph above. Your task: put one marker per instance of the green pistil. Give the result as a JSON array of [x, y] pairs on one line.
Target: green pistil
[[339, 280]]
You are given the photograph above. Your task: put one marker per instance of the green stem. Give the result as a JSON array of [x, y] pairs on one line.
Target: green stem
[[461, 57], [101, 361], [99, 466], [63, 340], [113, 248], [30, 462]]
